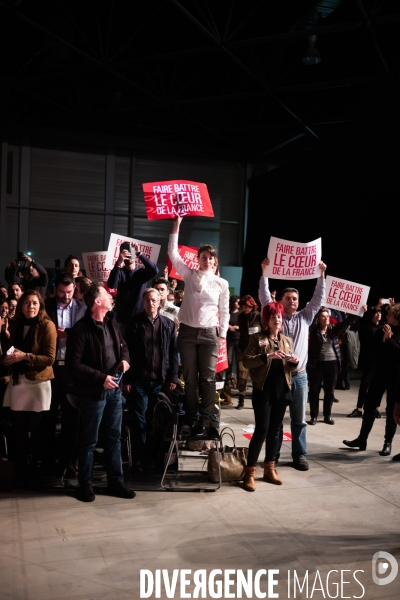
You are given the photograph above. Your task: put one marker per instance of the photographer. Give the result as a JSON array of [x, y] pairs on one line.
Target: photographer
[[130, 281], [34, 278]]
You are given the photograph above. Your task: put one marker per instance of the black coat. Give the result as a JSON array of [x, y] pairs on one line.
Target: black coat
[[130, 286], [38, 284], [316, 341], [135, 339], [86, 359]]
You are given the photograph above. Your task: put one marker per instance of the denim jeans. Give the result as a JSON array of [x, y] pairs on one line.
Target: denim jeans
[[297, 410], [199, 352], [142, 393], [93, 411]]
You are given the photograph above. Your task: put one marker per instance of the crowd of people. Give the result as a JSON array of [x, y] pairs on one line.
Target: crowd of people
[[73, 353]]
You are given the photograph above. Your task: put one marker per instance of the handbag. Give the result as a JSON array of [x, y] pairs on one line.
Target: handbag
[[232, 460]]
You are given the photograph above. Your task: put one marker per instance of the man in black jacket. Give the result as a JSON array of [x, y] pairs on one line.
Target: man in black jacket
[[151, 340], [64, 311], [96, 357], [130, 283]]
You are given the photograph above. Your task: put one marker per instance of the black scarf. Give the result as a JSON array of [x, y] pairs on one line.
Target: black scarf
[[25, 345]]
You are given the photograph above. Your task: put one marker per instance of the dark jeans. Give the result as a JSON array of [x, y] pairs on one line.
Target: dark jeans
[[380, 383], [268, 415], [199, 352], [365, 382], [232, 345], [326, 372], [92, 412], [143, 392]]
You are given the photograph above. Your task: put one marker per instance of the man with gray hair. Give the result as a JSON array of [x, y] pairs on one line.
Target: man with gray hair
[[96, 358], [151, 340]]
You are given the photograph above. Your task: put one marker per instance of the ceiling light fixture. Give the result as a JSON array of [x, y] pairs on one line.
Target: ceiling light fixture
[[311, 56]]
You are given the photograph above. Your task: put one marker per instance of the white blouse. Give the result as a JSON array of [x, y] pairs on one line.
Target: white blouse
[[206, 299]]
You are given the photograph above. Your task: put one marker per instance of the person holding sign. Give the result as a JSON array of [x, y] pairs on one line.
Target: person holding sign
[[295, 326], [130, 282], [386, 354], [206, 296], [270, 359], [324, 362]]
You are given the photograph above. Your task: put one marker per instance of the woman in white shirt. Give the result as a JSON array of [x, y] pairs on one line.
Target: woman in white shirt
[[204, 319]]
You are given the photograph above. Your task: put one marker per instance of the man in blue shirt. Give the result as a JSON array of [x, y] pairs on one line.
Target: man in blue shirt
[[64, 311]]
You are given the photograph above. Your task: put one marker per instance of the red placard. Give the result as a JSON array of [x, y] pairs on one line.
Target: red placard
[[222, 360], [165, 199], [189, 256]]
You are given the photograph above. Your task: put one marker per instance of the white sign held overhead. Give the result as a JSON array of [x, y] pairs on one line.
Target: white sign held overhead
[[346, 296], [149, 249], [293, 260]]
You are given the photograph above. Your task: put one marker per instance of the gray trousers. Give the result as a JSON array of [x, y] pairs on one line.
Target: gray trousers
[[198, 348]]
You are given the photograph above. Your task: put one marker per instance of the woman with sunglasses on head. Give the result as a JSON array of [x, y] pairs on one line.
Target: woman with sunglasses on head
[[270, 360]]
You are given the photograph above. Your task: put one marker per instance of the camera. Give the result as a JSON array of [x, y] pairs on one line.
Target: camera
[[128, 260]]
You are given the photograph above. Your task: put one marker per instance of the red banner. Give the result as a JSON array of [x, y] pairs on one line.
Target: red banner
[[222, 360], [165, 199], [189, 256]]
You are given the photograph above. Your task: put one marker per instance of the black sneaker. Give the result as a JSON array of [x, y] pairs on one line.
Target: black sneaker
[[120, 490], [377, 414], [86, 494]]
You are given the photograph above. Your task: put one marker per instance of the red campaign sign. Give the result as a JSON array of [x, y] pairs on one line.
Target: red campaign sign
[[222, 360], [189, 256], [165, 199], [287, 437]]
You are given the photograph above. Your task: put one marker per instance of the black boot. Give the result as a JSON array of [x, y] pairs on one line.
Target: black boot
[[386, 450], [241, 402]]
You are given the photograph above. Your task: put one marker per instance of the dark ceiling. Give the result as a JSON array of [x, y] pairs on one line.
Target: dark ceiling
[[223, 75]]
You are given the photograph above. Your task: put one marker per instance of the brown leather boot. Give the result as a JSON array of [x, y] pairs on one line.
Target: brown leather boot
[[270, 473], [248, 481], [227, 403]]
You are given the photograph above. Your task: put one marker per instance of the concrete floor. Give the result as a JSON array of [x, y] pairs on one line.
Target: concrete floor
[[333, 517]]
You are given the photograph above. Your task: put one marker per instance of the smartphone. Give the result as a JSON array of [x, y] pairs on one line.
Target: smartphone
[[118, 375], [288, 356], [385, 300], [20, 255], [10, 350]]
